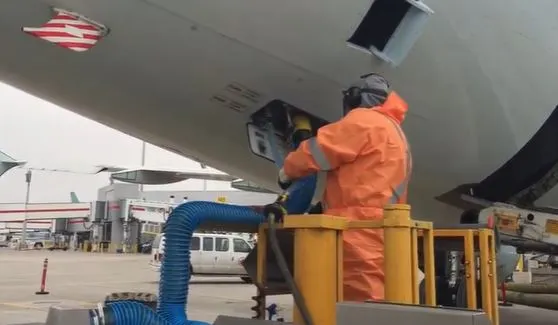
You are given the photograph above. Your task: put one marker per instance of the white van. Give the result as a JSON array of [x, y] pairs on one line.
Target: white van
[[210, 254]]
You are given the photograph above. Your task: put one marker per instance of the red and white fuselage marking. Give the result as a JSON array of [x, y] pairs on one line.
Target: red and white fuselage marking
[[69, 31]]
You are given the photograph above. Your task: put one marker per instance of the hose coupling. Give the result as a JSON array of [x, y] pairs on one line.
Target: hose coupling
[[277, 210]]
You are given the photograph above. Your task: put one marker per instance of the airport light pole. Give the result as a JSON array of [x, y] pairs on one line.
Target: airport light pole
[[26, 205], [24, 234], [204, 166], [143, 144]]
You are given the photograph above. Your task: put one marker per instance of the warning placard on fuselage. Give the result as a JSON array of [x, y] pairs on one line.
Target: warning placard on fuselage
[[261, 145]]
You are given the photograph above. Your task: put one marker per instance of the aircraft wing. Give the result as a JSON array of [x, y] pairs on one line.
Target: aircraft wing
[[7, 163], [108, 169], [156, 176], [244, 185]]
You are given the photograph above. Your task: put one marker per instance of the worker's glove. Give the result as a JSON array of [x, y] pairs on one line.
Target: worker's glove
[[283, 181], [317, 208]]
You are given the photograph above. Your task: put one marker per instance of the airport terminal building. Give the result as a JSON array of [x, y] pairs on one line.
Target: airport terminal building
[[123, 214]]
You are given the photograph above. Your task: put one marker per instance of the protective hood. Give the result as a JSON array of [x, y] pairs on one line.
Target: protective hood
[[375, 90], [394, 107]]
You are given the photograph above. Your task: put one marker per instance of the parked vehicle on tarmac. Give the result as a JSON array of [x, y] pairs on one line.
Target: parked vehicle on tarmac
[[33, 240], [4, 240], [210, 255]]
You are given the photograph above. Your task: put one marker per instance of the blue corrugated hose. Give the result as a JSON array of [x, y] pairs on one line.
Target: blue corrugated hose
[[136, 313], [175, 270]]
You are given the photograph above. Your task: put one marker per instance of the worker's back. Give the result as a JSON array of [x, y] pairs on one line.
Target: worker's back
[[376, 164], [381, 164], [367, 160]]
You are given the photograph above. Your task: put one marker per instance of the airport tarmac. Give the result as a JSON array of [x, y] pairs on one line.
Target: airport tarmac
[[85, 279]]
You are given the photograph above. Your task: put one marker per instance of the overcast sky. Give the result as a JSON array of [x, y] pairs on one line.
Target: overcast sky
[[47, 136]]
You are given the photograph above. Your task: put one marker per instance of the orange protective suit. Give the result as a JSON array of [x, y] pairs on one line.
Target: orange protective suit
[[368, 162]]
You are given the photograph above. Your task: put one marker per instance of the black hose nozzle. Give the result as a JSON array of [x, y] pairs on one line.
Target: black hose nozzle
[[277, 209]]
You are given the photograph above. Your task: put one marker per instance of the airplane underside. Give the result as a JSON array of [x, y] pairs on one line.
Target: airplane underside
[[480, 80]]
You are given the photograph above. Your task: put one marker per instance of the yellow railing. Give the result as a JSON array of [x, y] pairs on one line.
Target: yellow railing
[[481, 241], [318, 261]]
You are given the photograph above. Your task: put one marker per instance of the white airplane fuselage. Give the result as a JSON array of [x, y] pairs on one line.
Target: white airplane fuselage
[[480, 80]]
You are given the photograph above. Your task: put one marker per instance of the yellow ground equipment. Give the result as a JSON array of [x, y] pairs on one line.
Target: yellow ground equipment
[[527, 230], [317, 265]]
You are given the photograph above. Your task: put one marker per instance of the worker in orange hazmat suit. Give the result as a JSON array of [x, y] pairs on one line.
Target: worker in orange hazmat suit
[[368, 164]]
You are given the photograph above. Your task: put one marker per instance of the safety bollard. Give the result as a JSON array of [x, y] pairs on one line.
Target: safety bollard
[[504, 302], [42, 290]]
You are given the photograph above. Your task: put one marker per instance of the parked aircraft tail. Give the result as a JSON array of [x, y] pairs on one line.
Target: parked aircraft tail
[[74, 198]]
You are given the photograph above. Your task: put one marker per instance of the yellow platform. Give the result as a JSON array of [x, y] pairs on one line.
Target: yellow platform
[[319, 276]]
